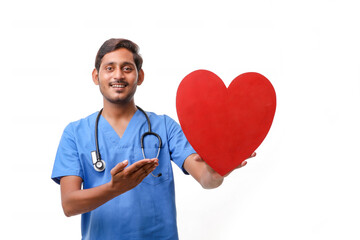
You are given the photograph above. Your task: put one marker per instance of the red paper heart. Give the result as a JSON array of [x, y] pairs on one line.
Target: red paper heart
[[225, 125]]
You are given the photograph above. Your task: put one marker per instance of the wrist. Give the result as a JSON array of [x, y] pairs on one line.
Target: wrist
[[112, 189]]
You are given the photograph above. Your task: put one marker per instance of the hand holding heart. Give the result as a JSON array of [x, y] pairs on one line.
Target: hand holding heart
[[225, 125], [218, 176]]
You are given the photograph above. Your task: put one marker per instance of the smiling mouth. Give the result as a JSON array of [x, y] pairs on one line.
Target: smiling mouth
[[118, 85]]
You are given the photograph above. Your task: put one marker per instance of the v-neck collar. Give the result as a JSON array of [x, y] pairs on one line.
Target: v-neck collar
[[110, 133]]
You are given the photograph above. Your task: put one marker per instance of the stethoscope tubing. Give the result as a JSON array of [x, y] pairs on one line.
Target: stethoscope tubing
[[99, 165], [98, 156]]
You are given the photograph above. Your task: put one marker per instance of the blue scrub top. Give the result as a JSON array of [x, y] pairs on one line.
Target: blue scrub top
[[145, 212]]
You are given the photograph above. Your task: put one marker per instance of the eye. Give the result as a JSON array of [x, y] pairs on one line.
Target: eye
[[109, 68], [127, 69]]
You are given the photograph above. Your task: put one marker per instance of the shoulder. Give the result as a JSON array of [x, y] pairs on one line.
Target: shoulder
[[162, 119], [83, 124]]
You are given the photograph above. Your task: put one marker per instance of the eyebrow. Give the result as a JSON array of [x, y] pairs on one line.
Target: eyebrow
[[122, 64]]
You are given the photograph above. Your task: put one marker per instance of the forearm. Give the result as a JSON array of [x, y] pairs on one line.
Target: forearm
[[202, 172], [84, 200], [78, 201]]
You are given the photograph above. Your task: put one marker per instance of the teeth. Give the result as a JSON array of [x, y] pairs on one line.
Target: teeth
[[118, 86]]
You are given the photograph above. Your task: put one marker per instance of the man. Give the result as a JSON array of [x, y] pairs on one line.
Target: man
[[133, 197]]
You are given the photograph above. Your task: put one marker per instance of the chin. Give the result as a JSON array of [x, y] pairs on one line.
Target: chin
[[120, 101]]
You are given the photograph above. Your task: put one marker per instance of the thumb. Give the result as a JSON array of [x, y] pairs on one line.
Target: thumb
[[119, 167]]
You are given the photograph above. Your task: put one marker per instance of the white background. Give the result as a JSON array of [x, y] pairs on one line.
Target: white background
[[304, 183]]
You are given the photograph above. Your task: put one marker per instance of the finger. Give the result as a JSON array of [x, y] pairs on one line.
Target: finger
[[119, 167], [150, 167], [138, 165], [243, 164], [144, 171], [253, 155]]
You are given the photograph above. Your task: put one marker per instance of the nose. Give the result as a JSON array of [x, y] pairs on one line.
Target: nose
[[118, 74]]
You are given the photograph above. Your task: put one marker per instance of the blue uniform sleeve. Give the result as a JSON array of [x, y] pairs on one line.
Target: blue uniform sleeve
[[179, 146], [67, 160]]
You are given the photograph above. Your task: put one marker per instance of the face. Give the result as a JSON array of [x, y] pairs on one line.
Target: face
[[118, 77]]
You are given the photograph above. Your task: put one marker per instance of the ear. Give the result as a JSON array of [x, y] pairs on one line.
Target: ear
[[95, 76], [141, 77]]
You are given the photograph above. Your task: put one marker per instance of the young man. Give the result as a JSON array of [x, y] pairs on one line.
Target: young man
[[133, 197]]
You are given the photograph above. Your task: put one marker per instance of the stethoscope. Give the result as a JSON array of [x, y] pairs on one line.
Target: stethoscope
[[99, 164]]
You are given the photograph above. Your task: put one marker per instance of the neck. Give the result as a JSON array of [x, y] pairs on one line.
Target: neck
[[118, 111]]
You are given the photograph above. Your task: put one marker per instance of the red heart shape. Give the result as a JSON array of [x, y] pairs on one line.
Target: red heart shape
[[225, 125]]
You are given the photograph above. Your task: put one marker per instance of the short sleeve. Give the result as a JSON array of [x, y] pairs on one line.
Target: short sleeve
[[179, 146], [67, 160]]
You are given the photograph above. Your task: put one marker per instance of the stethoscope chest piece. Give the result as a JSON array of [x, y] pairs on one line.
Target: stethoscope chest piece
[[99, 164]]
